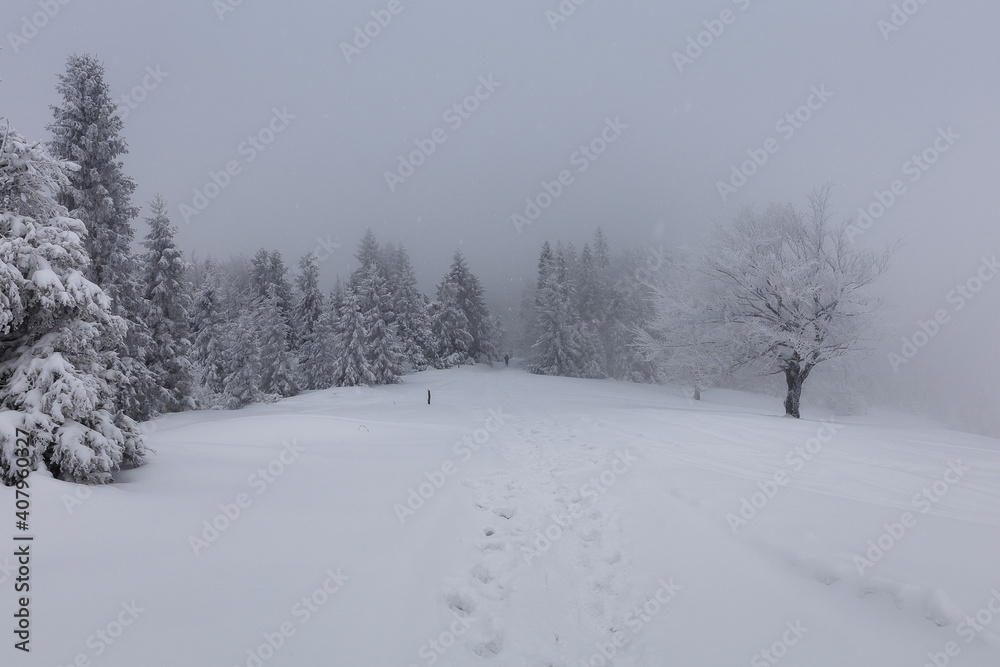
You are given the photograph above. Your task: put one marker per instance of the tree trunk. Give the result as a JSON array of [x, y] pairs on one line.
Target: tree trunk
[[795, 376]]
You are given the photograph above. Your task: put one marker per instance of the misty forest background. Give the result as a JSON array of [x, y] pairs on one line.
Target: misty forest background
[[101, 330]]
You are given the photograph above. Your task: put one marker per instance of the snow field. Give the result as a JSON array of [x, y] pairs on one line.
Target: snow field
[[588, 527]]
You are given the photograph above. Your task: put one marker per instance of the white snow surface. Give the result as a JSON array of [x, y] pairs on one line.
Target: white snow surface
[[642, 479]]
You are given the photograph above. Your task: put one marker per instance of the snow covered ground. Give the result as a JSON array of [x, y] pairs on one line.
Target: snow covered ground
[[523, 520]]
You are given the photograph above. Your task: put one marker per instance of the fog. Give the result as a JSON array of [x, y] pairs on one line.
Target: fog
[[883, 92]]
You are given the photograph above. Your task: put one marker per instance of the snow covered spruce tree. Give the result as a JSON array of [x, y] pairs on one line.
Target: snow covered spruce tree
[[564, 345], [87, 132], [241, 385], [208, 326], [167, 300], [376, 331], [58, 334], [277, 363], [268, 269], [591, 290], [580, 315], [306, 316], [470, 298], [450, 328], [318, 356], [793, 289], [411, 311], [382, 347], [352, 367]]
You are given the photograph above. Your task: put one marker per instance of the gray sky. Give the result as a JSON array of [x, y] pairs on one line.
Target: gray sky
[[323, 175]]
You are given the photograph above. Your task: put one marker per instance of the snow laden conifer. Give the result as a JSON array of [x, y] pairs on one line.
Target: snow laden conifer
[[242, 344], [87, 132], [352, 367], [277, 363], [450, 328], [208, 326], [58, 334], [320, 352], [382, 346], [410, 309], [470, 298], [268, 269], [306, 316], [563, 346], [168, 301]]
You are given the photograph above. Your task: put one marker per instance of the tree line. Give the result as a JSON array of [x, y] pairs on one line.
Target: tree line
[[95, 338]]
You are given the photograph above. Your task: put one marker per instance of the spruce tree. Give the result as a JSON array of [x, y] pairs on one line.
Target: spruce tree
[[369, 254], [450, 327], [410, 309], [58, 333], [307, 314], [382, 346], [242, 345], [352, 367], [319, 353], [565, 344], [208, 328], [277, 363], [471, 300], [87, 132], [167, 298]]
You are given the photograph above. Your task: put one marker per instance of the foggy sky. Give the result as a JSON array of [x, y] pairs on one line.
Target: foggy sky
[[322, 178]]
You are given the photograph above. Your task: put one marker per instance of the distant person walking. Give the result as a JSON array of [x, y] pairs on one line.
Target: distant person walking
[[506, 360]]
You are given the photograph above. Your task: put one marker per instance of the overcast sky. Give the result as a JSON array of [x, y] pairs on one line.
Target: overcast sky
[[884, 86]]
